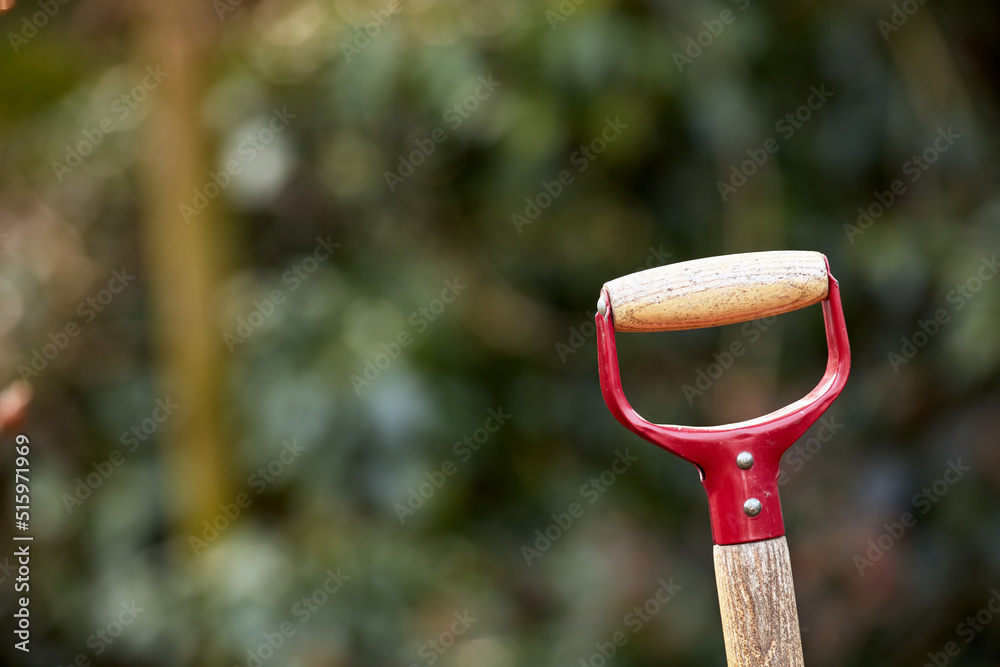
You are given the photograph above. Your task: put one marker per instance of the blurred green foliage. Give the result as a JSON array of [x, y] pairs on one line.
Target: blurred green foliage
[[518, 339]]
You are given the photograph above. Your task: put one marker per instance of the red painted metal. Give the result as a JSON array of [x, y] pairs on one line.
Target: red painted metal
[[714, 448]]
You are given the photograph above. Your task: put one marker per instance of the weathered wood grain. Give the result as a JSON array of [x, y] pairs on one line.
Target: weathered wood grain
[[760, 620]]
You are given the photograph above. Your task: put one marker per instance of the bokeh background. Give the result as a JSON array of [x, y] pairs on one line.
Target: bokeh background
[[189, 334]]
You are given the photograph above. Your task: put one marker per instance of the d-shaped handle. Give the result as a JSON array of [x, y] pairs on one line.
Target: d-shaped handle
[[715, 449], [738, 462], [717, 290]]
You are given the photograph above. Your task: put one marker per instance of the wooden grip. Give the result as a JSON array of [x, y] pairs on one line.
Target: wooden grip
[[721, 290], [760, 620]]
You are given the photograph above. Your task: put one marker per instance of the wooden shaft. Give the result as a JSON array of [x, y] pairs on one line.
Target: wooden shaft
[[717, 290], [757, 598]]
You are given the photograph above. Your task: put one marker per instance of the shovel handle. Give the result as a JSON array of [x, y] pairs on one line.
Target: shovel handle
[[717, 290], [760, 621]]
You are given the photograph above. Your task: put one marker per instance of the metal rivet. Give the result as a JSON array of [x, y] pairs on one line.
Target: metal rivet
[[752, 507], [744, 460], [602, 306]]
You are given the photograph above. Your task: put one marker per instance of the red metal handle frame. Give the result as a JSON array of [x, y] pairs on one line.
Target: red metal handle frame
[[714, 448]]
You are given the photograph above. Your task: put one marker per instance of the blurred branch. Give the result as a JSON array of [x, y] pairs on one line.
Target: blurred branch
[[183, 259]]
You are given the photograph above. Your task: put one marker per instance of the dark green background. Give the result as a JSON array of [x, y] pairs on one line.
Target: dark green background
[[518, 337]]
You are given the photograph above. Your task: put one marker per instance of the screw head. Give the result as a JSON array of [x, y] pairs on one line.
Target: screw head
[[744, 460], [752, 507]]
